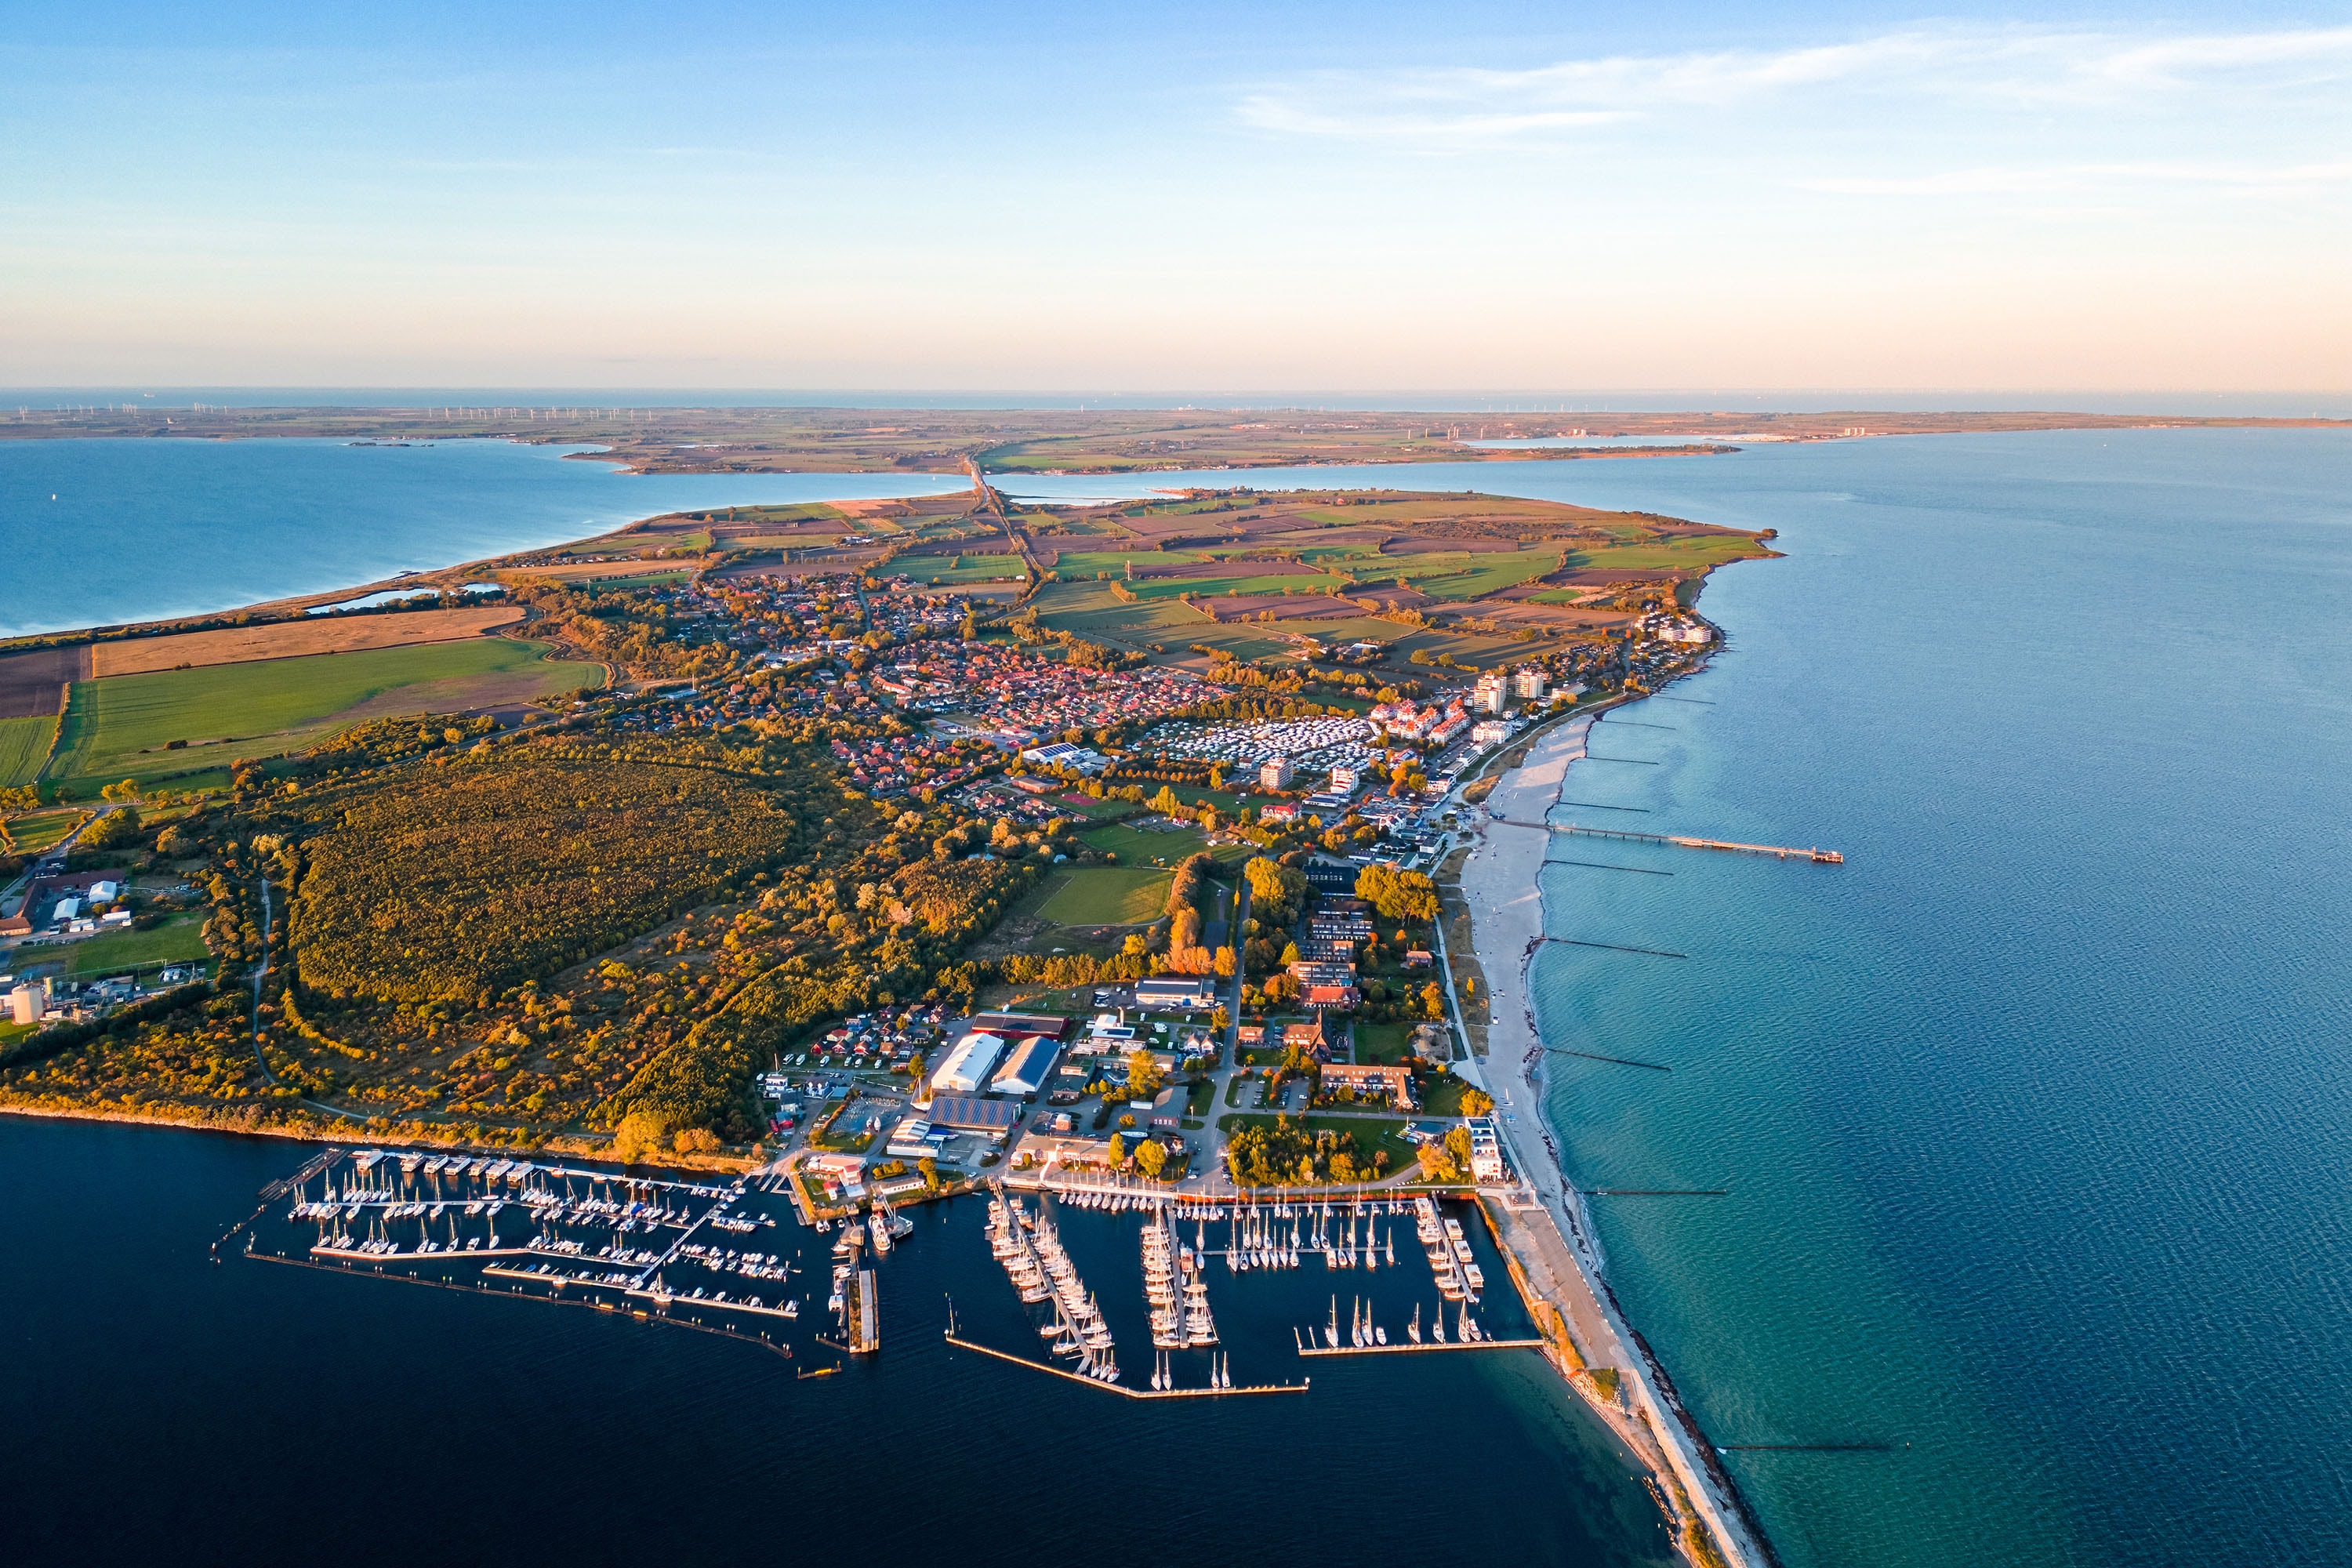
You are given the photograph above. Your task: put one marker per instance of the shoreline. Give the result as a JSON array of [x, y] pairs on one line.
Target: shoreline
[[1552, 1233]]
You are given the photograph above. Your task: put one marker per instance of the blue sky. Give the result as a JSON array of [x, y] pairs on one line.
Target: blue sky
[[1129, 198]]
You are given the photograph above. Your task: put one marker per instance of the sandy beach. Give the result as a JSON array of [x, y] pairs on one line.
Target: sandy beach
[[1547, 1225]]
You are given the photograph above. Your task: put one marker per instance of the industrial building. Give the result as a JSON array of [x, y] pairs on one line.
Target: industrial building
[[1173, 991], [1028, 1068], [968, 1066], [970, 1114]]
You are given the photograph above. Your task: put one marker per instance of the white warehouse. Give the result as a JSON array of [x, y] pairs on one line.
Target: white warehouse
[[968, 1066]]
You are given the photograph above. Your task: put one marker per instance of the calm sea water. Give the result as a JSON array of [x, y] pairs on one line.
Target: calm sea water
[[2033, 1114], [162, 1409], [98, 532]]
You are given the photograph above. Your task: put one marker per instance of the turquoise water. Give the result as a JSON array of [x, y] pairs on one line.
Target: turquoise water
[[146, 529], [2034, 1113]]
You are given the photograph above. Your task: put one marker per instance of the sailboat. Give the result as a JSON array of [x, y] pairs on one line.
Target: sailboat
[[1413, 1330]]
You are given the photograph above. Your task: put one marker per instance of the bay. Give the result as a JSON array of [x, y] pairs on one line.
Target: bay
[[164, 1408], [99, 532]]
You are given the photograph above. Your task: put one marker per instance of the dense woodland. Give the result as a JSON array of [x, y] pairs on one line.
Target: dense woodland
[[494, 938]]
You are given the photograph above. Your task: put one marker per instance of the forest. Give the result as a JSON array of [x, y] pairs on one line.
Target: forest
[[490, 939]]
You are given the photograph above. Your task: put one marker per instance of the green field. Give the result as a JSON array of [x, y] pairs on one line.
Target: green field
[[1108, 895], [941, 570], [1074, 565], [23, 744], [1088, 609], [1303, 581], [119, 728], [175, 940], [1134, 847], [1469, 575], [40, 829], [1382, 1043]]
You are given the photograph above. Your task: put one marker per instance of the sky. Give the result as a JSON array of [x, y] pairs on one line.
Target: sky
[[1143, 197]]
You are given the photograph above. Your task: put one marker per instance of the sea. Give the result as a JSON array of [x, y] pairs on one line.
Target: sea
[[2031, 1121], [99, 532], [164, 1407]]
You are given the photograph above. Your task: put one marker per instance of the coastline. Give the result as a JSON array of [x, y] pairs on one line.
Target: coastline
[[1548, 1227]]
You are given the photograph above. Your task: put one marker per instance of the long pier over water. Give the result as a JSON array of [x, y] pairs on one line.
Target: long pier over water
[[1778, 851]]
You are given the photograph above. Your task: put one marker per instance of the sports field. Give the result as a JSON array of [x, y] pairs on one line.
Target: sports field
[[1108, 895], [123, 727], [1136, 846], [24, 743]]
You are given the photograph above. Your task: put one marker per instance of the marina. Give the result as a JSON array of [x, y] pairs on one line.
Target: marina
[[703, 1252]]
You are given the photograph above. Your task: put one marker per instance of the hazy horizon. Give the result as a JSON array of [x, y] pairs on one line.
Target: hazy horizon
[[1499, 194], [2282, 404]]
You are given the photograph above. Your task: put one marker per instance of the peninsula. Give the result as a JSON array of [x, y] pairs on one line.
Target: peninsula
[[868, 854]]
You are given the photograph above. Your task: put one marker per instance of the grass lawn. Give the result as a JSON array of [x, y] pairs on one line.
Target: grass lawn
[[1384, 1043], [1442, 1095], [1136, 848], [24, 745], [40, 829], [176, 940], [119, 728], [1108, 895]]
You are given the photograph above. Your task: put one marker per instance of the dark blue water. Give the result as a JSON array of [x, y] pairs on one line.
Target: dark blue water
[[160, 1409], [147, 529]]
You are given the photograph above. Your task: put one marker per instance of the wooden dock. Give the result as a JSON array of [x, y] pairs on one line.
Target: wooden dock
[[1410, 1349], [961, 1343], [864, 1314]]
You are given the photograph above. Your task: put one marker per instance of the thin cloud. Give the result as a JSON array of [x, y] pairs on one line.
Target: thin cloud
[[2079, 176], [1466, 105]]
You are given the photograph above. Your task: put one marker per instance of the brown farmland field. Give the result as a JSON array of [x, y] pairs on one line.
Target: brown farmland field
[[292, 639]]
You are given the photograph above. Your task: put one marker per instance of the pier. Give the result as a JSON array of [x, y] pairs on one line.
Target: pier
[[1778, 851], [1410, 1349], [962, 1343]]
